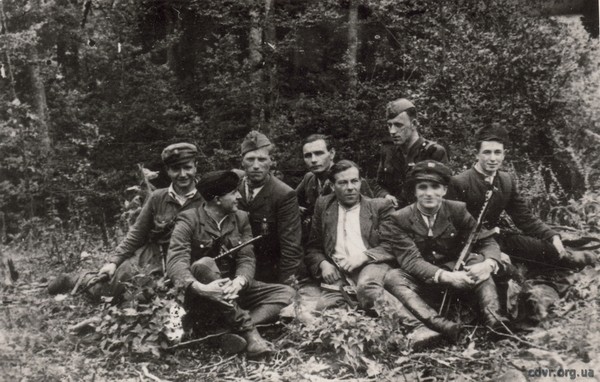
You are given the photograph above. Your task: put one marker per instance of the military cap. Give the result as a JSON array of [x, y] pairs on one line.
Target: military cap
[[217, 183], [253, 141], [178, 153], [398, 106], [431, 170], [493, 132]]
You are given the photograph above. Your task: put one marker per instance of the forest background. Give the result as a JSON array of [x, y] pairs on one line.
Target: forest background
[[92, 90]]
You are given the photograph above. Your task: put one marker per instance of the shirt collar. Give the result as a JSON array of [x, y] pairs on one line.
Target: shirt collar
[[354, 207], [181, 199], [488, 178]]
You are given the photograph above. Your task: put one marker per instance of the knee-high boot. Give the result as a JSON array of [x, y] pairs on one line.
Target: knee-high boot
[[420, 309], [489, 304]]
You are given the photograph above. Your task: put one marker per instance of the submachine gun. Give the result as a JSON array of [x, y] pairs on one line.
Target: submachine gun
[[466, 251]]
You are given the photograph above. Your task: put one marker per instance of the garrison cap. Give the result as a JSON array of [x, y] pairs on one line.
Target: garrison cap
[[253, 141], [398, 106], [217, 183], [431, 170], [179, 153], [493, 132]]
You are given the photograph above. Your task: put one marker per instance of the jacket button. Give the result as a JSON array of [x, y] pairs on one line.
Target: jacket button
[[201, 245], [452, 234]]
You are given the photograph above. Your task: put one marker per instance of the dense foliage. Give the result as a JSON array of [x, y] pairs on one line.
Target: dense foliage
[[90, 89]]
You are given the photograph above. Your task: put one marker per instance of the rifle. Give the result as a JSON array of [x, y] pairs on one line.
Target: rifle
[[226, 252], [466, 251]]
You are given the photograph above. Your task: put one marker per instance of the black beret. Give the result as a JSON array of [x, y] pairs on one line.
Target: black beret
[[179, 153], [494, 132], [217, 183], [430, 170]]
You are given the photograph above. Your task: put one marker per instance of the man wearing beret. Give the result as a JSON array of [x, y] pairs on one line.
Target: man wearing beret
[[400, 153], [318, 154], [147, 240], [223, 288], [539, 244], [426, 238], [274, 213]]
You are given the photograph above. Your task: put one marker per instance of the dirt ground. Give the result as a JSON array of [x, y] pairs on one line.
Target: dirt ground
[[37, 345]]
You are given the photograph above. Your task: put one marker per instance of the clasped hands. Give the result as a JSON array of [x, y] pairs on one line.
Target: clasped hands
[[470, 277], [223, 291]]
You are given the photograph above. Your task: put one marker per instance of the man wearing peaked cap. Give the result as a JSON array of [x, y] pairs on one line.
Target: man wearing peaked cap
[[539, 244], [224, 289], [401, 151], [145, 246], [273, 210], [426, 238]]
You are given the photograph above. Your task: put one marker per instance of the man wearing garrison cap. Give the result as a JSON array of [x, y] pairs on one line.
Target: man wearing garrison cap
[[274, 213], [401, 151], [147, 240], [222, 290], [539, 244]]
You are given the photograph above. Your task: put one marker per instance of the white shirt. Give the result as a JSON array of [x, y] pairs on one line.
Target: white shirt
[[349, 243], [181, 199], [487, 178], [255, 191]]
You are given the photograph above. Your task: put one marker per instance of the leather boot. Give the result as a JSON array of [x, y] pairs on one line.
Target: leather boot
[[232, 343], [419, 308], [257, 346], [422, 338], [489, 304], [265, 314]]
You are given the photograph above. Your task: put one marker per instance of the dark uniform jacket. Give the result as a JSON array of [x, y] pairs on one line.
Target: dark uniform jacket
[[323, 233], [154, 224], [470, 187], [274, 212], [394, 164], [405, 236], [197, 235]]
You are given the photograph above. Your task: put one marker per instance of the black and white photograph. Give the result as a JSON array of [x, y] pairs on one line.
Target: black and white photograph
[[300, 190]]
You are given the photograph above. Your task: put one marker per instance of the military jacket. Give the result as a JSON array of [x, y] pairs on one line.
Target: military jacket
[[154, 224], [196, 235], [470, 187], [394, 164], [405, 235]]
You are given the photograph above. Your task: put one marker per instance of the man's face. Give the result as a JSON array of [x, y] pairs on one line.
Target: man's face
[[229, 201], [347, 187], [316, 156], [257, 164], [401, 128], [490, 156], [430, 194], [183, 174]]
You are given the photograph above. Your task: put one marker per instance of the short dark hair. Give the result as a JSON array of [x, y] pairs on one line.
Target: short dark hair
[[317, 137], [478, 143], [340, 166]]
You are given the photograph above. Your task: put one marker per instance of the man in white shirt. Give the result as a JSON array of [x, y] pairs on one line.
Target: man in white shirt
[[342, 246]]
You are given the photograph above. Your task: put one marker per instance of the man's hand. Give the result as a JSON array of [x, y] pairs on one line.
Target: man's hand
[[109, 269], [481, 271], [214, 290], [350, 264], [233, 289], [393, 199], [329, 272], [557, 243], [458, 279]]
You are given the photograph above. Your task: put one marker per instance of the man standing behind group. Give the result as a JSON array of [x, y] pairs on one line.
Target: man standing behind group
[[274, 213], [539, 244], [400, 153], [318, 155]]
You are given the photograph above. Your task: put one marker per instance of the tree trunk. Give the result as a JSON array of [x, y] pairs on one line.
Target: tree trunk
[[270, 46], [352, 53], [256, 61], [39, 100]]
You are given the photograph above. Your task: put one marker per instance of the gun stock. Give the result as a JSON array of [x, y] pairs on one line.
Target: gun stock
[[231, 251], [466, 251]]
